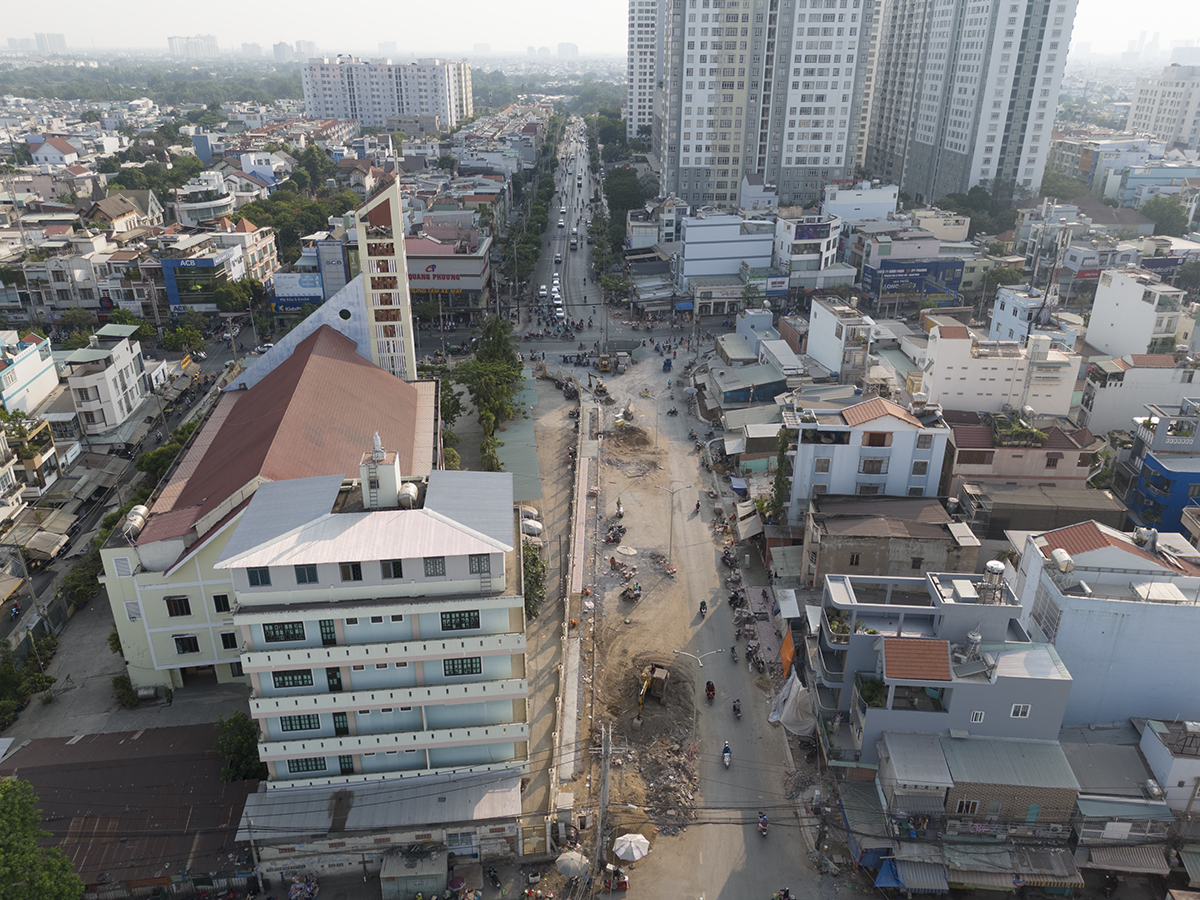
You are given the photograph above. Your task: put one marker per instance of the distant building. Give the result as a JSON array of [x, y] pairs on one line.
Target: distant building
[[1168, 106], [568, 51], [254, 51], [643, 64], [283, 52], [54, 151], [48, 43], [305, 49], [198, 46], [346, 87], [860, 202]]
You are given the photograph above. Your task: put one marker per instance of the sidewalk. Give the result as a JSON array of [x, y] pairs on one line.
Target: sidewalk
[[84, 702]]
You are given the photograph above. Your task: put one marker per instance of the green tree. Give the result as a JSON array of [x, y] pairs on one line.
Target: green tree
[[1168, 214], [781, 488], [451, 402], [237, 743], [232, 296], [301, 179], [998, 275], [1061, 187], [451, 458], [751, 296], [29, 871], [90, 115], [77, 318], [535, 579], [145, 330], [1188, 276], [184, 337], [156, 462], [446, 162]]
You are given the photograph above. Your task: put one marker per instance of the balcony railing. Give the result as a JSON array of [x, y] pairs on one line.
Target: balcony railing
[[838, 633], [399, 651], [467, 735], [380, 698]]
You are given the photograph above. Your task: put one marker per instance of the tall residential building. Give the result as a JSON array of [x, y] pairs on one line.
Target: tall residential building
[[306, 49], [283, 52], [782, 98], [196, 46], [568, 51], [1168, 106], [644, 63], [965, 93], [345, 87], [254, 50], [50, 43]]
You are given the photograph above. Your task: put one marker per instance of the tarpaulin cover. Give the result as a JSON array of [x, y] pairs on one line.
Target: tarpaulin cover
[[793, 708]]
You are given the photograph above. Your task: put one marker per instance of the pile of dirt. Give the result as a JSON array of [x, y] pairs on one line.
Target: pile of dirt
[[633, 468], [665, 781], [630, 437]]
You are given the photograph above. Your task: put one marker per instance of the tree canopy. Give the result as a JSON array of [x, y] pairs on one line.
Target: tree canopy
[[1169, 216], [27, 870], [237, 743]]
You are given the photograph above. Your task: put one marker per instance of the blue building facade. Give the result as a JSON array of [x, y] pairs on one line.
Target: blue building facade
[[1162, 474], [913, 276]]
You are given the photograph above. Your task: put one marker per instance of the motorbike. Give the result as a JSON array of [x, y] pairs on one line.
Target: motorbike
[[692, 435], [762, 824], [737, 708], [733, 652], [710, 691], [703, 608], [1110, 884], [493, 877], [726, 754], [673, 411], [620, 509]]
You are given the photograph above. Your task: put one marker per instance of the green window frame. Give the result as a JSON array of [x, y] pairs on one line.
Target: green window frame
[[306, 722], [308, 764], [435, 566], [466, 665], [460, 620], [290, 678], [480, 563], [279, 632]]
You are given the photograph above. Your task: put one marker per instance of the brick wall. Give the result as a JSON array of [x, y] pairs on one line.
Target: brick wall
[[1057, 804]]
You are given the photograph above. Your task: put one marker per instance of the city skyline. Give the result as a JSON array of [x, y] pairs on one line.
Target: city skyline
[[599, 29]]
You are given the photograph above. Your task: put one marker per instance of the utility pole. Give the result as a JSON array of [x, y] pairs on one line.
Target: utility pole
[[254, 854], [605, 756]]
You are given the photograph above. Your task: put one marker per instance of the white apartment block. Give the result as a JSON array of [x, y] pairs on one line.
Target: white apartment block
[[1168, 106], [346, 87], [872, 448], [644, 63], [107, 380], [1134, 312], [1118, 389], [839, 338], [1020, 312], [718, 245], [1120, 610], [753, 87], [27, 372], [860, 202], [995, 376], [383, 637], [806, 246], [966, 92]]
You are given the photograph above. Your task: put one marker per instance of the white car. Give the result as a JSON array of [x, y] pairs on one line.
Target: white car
[[556, 276], [562, 210], [542, 292], [562, 223]]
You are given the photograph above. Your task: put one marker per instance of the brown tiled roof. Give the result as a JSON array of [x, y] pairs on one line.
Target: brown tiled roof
[[916, 658], [1083, 437], [1088, 536], [876, 408], [314, 415], [1122, 363], [972, 437], [1057, 439], [954, 332], [1153, 360]]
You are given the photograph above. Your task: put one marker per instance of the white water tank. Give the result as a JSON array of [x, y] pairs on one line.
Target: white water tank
[[1062, 559], [531, 527], [408, 495], [134, 523]]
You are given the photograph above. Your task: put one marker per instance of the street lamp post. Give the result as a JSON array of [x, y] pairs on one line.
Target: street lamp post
[[699, 659], [671, 515]]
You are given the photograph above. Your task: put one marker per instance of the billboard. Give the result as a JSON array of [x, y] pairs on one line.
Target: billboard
[[934, 276], [449, 274]]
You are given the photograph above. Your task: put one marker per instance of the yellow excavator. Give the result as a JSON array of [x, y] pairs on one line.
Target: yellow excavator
[[654, 684]]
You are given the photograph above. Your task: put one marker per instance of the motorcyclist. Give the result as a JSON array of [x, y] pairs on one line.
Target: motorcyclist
[[737, 707], [710, 688], [762, 819]]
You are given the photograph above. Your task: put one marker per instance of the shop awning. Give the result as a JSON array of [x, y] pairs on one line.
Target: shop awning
[[1190, 855], [1144, 859], [684, 305], [45, 545], [749, 527], [1046, 868], [738, 484], [981, 881], [920, 802], [922, 877]]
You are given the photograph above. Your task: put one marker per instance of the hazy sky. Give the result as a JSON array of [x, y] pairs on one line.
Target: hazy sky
[[597, 26]]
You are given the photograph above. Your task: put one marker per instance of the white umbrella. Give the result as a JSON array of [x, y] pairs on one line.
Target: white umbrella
[[572, 864], [631, 847], [690, 390]]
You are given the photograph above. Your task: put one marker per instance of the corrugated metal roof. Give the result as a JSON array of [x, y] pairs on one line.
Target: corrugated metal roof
[[922, 877], [864, 812], [978, 858], [963, 535], [1144, 859], [1005, 761], [484, 500], [918, 759], [1190, 856], [1112, 770], [1047, 868], [280, 507], [282, 815], [1125, 808], [357, 537]]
